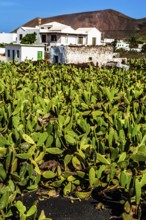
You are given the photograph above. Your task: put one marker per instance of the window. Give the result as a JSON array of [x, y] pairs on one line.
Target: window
[[53, 37], [20, 36], [18, 53], [80, 40], [8, 53], [43, 38]]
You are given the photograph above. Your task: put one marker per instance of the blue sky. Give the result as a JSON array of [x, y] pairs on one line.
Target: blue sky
[[14, 13]]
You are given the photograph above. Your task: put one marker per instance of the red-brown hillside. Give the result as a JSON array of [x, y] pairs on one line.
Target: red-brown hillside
[[111, 23]]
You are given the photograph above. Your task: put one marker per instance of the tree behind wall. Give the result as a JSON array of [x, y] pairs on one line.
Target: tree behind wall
[[29, 38], [133, 43]]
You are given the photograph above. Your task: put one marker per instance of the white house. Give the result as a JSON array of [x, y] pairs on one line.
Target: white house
[[122, 45], [56, 34], [50, 36], [7, 38], [93, 35], [21, 52]]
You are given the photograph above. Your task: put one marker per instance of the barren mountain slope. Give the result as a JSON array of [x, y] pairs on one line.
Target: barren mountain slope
[[111, 23]]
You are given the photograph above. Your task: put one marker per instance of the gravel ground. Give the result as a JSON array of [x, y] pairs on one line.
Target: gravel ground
[[60, 208]]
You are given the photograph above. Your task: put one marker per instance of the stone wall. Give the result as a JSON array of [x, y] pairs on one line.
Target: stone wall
[[98, 55]]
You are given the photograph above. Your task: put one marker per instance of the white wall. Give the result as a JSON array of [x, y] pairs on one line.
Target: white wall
[[2, 50], [64, 39], [122, 44], [30, 53], [7, 38], [9, 52], [25, 52], [69, 39], [108, 40]]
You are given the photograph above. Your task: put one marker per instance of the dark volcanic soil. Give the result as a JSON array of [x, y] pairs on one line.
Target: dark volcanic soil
[[60, 208]]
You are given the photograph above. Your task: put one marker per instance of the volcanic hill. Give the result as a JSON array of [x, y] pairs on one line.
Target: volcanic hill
[[111, 23]]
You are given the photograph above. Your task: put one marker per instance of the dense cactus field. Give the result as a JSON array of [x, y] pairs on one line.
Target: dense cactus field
[[72, 130]]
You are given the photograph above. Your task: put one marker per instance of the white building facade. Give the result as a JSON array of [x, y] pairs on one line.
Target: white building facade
[[122, 45], [49, 36], [21, 52], [93, 36], [56, 34]]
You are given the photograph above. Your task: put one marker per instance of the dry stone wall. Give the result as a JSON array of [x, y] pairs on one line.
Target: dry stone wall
[[98, 55]]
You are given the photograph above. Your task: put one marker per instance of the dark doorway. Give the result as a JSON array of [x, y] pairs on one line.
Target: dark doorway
[[94, 41], [43, 38], [55, 59]]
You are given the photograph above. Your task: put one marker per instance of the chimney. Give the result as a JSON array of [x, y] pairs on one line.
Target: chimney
[[39, 21]]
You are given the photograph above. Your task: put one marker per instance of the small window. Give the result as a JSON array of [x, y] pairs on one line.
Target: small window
[[20, 36], [18, 53], [8, 53], [80, 40], [53, 37]]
